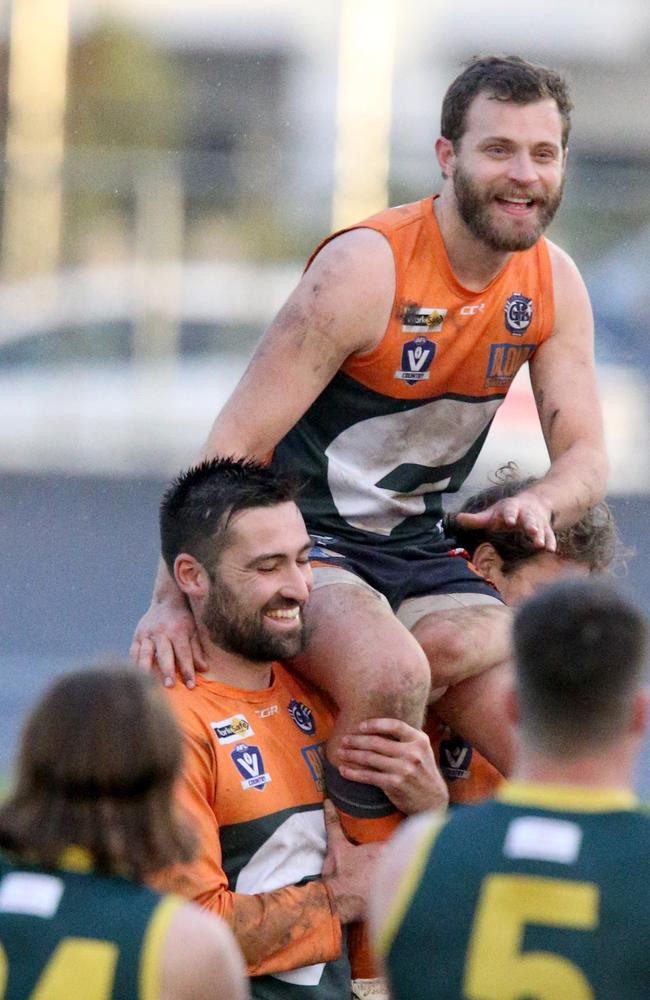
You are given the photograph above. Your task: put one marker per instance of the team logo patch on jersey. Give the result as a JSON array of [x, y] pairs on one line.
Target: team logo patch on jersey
[[233, 729], [417, 355], [302, 716], [422, 319], [504, 362], [249, 763], [314, 756], [455, 758], [518, 312]]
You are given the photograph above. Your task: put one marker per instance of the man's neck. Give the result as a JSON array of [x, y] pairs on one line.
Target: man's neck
[[611, 768], [474, 264], [234, 670]]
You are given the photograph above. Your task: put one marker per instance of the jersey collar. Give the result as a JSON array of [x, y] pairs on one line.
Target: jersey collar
[[573, 798]]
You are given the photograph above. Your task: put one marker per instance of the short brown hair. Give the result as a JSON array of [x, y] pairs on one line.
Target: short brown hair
[[593, 540], [505, 78], [99, 756], [579, 661]]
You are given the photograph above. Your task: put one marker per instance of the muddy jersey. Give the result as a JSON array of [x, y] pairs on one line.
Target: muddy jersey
[[539, 894], [253, 786], [401, 425], [69, 933]]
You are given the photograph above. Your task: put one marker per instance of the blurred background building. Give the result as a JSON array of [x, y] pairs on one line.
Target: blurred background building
[[167, 167]]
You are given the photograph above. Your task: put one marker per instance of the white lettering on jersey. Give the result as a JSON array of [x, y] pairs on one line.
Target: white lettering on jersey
[[436, 434], [295, 851]]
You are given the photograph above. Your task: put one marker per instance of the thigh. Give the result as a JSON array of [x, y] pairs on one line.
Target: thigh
[[414, 609], [362, 656], [464, 638]]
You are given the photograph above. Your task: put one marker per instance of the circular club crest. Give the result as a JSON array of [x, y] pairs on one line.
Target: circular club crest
[[302, 716], [518, 312]]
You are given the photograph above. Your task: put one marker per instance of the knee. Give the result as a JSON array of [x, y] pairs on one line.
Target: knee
[[402, 685], [446, 652]]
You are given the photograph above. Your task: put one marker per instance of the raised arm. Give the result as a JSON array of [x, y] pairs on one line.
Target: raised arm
[[563, 377], [340, 307]]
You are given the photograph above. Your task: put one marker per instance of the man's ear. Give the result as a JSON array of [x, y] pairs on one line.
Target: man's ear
[[487, 560], [446, 156], [191, 576]]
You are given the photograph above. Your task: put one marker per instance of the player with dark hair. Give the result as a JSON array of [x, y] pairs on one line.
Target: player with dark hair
[[255, 734], [90, 818], [541, 884]]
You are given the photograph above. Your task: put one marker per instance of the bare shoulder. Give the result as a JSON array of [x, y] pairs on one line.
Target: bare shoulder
[[201, 958], [568, 285], [353, 276], [399, 856]]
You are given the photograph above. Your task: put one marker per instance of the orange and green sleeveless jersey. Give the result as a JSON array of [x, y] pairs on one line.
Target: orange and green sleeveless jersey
[[403, 424], [470, 777], [539, 894], [71, 934], [253, 787]]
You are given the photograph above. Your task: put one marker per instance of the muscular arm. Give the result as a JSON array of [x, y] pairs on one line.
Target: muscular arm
[[564, 384], [340, 307]]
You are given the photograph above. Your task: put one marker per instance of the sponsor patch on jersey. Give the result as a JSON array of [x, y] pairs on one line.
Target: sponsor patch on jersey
[[417, 355], [543, 838], [314, 756], [504, 362], [264, 713], [422, 319], [518, 312], [249, 763], [472, 310], [455, 758], [233, 729], [303, 716]]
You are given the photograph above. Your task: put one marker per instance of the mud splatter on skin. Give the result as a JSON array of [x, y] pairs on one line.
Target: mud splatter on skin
[[268, 924]]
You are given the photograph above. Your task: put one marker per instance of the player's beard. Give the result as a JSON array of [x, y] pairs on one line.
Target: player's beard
[[233, 628], [476, 208]]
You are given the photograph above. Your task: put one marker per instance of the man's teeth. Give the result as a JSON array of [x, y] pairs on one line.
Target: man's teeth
[[519, 201], [284, 613]]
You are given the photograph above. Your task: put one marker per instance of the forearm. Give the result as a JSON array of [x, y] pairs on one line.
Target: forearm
[[281, 930], [576, 480]]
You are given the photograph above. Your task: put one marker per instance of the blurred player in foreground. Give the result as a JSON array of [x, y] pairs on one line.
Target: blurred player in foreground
[[90, 818], [544, 887], [270, 861]]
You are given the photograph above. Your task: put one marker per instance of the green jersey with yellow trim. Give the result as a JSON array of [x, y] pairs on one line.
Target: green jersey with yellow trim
[[77, 934], [539, 894]]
